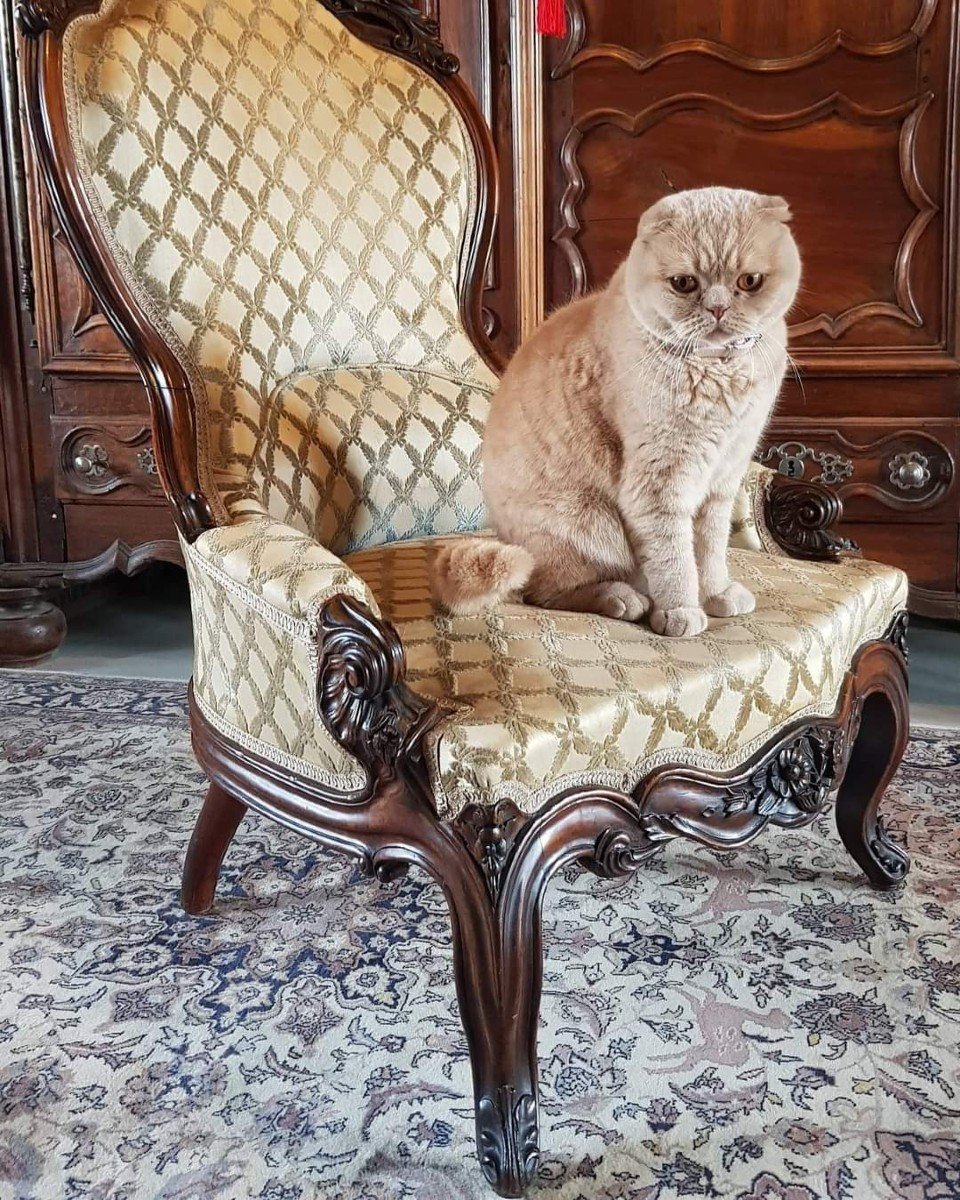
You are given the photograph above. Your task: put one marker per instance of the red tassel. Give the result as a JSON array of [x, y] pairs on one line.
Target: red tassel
[[552, 18]]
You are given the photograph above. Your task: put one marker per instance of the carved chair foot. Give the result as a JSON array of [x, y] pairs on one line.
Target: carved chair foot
[[31, 628], [212, 834], [890, 862], [508, 1139], [874, 757]]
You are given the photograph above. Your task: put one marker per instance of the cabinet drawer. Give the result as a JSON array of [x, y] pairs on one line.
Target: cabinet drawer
[[880, 471], [105, 459], [146, 532]]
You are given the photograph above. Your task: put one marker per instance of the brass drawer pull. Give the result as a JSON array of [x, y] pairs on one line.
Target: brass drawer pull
[[91, 460], [908, 470]]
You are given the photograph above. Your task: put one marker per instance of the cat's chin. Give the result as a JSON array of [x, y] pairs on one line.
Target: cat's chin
[[720, 343], [718, 339]]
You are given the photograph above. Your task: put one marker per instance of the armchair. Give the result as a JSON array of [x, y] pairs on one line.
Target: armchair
[[285, 210]]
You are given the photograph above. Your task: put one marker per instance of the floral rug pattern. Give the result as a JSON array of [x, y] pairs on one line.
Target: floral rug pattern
[[758, 1025]]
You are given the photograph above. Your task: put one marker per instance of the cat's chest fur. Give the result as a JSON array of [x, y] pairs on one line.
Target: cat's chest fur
[[694, 409]]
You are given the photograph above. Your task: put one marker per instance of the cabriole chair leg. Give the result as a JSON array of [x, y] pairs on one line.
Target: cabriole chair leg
[[218, 821], [498, 962], [874, 757]]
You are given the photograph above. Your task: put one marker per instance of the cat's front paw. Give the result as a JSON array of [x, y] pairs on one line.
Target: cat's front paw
[[678, 622], [734, 601]]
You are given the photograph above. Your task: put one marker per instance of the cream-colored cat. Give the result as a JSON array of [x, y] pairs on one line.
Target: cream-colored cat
[[621, 431]]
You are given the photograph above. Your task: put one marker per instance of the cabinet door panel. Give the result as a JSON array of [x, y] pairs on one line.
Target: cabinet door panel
[[859, 230], [846, 108], [765, 37]]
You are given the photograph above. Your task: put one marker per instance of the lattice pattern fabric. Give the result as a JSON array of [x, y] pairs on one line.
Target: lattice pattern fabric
[[748, 529], [359, 458], [281, 197], [549, 699], [256, 589]]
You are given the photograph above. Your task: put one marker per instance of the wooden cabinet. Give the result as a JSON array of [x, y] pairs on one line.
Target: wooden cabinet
[[79, 493], [847, 107]]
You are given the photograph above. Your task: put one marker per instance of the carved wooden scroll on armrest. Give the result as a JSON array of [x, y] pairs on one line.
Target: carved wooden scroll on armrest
[[801, 518]]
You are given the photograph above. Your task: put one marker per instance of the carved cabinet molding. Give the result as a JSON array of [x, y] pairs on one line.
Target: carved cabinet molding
[[851, 111], [576, 52]]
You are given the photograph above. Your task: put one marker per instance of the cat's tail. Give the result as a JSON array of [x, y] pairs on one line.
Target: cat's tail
[[475, 573]]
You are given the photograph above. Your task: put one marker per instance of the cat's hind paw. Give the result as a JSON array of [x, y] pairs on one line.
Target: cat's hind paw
[[734, 601], [678, 622]]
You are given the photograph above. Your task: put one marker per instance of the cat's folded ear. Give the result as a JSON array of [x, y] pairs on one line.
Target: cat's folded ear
[[658, 217], [775, 207]]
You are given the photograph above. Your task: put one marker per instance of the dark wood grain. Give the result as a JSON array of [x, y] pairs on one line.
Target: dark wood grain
[[219, 820], [803, 519], [877, 468], [848, 109]]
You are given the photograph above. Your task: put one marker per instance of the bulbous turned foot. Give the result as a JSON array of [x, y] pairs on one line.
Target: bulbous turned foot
[[31, 628], [508, 1140]]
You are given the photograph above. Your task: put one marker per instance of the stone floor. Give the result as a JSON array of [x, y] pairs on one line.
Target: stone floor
[[140, 628]]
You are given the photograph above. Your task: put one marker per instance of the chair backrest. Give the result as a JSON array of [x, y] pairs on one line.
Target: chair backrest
[[278, 196]]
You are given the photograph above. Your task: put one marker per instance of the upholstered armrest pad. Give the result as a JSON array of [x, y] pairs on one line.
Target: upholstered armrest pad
[[257, 588], [280, 566]]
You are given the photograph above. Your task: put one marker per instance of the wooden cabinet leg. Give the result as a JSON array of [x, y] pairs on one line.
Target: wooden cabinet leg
[[31, 628]]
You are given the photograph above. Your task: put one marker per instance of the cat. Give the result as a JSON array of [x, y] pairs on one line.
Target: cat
[[622, 429]]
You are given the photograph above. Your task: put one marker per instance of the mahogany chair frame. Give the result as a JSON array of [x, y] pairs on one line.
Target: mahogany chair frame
[[493, 863]]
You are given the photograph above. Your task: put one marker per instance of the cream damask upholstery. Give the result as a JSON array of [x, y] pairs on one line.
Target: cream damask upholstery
[[256, 590], [366, 456], [547, 700], [292, 209], [282, 198]]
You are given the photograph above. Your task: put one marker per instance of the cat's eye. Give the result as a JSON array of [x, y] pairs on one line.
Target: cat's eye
[[684, 284], [750, 281]]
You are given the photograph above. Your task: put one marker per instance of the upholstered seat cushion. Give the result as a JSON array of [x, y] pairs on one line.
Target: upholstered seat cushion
[[540, 700]]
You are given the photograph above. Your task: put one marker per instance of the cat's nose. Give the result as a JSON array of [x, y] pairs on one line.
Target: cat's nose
[[719, 311]]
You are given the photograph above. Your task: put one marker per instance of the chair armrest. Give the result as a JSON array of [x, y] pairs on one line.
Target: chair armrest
[[259, 591], [293, 660], [790, 517], [279, 567]]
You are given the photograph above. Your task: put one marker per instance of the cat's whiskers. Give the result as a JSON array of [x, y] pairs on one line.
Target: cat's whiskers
[[685, 350], [680, 349], [792, 365], [656, 353], [763, 353]]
